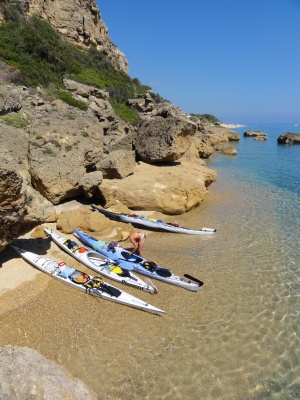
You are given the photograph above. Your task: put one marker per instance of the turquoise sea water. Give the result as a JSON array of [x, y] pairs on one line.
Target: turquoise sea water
[[244, 333], [262, 222], [267, 162]]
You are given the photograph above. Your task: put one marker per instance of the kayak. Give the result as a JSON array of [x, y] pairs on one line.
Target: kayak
[[93, 285], [157, 224], [114, 251], [101, 264]]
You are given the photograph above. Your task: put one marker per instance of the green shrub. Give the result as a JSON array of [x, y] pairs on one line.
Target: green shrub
[[32, 46], [48, 150], [128, 114], [14, 119], [69, 99], [68, 147], [207, 117]]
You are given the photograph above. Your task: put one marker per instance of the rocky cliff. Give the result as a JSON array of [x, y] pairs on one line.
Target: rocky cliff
[[79, 21], [59, 152], [53, 152]]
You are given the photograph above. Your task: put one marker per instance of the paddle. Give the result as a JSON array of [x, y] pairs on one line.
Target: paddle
[[194, 279]]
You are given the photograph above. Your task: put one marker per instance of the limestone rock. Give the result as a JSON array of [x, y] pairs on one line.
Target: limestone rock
[[26, 374], [21, 207], [167, 189], [164, 139], [80, 22], [143, 103], [200, 147], [216, 136], [118, 136], [233, 136], [64, 145], [90, 182], [85, 91], [229, 151], [289, 138], [257, 135], [87, 220], [118, 164], [10, 99]]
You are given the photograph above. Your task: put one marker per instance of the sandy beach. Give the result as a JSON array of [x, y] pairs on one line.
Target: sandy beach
[[232, 126]]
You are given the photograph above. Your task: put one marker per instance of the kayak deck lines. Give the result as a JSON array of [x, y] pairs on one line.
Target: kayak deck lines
[[119, 271], [80, 280], [150, 269]]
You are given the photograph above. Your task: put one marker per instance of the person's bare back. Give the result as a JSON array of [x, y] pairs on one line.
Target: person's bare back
[[138, 240]]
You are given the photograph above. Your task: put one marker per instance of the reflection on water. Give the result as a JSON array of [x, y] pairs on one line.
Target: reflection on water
[[236, 339]]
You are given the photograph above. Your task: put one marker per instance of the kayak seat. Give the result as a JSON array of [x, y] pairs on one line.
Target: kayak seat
[[119, 271], [79, 277]]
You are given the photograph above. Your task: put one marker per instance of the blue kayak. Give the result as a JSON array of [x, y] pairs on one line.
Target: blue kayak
[[115, 252]]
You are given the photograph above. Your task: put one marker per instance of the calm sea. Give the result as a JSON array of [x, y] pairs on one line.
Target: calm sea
[[236, 339], [242, 337]]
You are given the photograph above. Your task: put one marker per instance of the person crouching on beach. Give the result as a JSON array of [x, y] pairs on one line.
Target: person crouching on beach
[[138, 240]]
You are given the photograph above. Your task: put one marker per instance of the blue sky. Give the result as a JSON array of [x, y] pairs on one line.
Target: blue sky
[[236, 59]]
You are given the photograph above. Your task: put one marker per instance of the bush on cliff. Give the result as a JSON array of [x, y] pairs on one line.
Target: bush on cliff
[[43, 57], [207, 118]]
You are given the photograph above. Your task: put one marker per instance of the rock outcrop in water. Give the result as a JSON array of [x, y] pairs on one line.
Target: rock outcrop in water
[[257, 135], [289, 138]]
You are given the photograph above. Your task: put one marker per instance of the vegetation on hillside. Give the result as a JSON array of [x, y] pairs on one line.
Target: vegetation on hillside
[[34, 48], [207, 117]]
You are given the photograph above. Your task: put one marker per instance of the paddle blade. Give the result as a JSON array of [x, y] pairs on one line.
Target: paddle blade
[[200, 283]]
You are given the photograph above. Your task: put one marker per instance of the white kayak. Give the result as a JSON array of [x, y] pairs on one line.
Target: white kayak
[[101, 264], [93, 285], [156, 224], [150, 269]]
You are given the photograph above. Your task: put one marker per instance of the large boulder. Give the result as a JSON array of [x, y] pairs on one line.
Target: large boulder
[[162, 139], [200, 147], [64, 143], [142, 103], [118, 164], [21, 207], [289, 138], [165, 188], [229, 151], [10, 99]]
